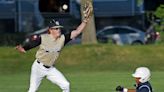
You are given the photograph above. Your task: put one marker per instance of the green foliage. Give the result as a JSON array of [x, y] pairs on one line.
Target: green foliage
[[11, 39], [160, 12]]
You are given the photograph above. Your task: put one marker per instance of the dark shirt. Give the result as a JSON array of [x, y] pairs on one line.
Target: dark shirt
[[144, 87], [35, 41]]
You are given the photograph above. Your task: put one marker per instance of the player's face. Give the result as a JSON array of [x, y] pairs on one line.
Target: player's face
[[137, 80], [56, 32]]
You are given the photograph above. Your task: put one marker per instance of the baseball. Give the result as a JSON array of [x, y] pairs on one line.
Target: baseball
[[65, 6]]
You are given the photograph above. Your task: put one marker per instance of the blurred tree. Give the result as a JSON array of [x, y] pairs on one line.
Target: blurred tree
[[89, 35], [160, 14]]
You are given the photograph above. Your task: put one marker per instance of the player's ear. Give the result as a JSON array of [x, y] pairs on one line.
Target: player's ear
[[48, 31]]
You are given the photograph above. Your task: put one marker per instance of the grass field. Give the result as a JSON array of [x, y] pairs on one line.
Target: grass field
[[89, 68], [105, 81]]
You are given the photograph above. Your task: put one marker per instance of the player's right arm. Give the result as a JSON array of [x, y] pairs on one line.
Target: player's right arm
[[29, 43], [131, 90]]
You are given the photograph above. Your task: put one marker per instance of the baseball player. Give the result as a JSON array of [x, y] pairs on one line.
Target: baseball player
[[142, 77], [50, 45]]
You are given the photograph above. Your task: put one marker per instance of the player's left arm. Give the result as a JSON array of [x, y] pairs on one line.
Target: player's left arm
[[87, 14], [131, 90]]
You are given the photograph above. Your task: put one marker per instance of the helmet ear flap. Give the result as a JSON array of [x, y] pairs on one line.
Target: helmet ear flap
[[143, 80]]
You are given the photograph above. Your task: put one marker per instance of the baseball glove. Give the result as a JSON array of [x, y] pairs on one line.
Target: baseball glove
[[119, 89], [88, 10]]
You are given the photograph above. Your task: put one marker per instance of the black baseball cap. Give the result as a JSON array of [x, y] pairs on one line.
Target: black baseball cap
[[54, 24]]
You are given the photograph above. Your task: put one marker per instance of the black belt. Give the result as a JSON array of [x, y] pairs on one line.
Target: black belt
[[44, 65]]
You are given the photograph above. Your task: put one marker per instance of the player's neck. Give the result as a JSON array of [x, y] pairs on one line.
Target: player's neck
[[55, 37]]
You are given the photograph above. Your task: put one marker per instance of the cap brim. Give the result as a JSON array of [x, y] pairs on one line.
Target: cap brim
[[135, 75], [57, 27]]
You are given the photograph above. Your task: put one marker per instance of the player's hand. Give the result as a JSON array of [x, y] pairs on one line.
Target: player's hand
[[20, 49], [88, 11], [119, 89]]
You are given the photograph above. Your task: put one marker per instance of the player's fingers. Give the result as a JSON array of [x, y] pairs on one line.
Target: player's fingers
[[87, 9], [89, 12], [18, 46], [86, 6], [21, 50]]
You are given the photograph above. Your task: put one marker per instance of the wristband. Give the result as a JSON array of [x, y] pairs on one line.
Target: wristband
[[85, 21], [125, 90]]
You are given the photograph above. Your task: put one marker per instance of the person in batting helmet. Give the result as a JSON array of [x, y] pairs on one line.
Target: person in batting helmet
[[142, 77]]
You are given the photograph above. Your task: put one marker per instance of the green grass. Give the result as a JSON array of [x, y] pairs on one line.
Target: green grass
[[104, 81], [89, 68], [90, 57]]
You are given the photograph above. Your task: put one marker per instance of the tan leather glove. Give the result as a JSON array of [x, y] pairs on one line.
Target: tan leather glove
[[87, 11]]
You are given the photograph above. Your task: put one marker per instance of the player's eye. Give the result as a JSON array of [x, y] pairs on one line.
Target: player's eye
[[55, 28]]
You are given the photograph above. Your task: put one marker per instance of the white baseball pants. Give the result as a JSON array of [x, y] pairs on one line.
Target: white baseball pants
[[38, 72]]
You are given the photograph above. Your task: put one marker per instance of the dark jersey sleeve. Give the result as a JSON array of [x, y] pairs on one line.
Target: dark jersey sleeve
[[67, 38], [144, 89], [31, 42]]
